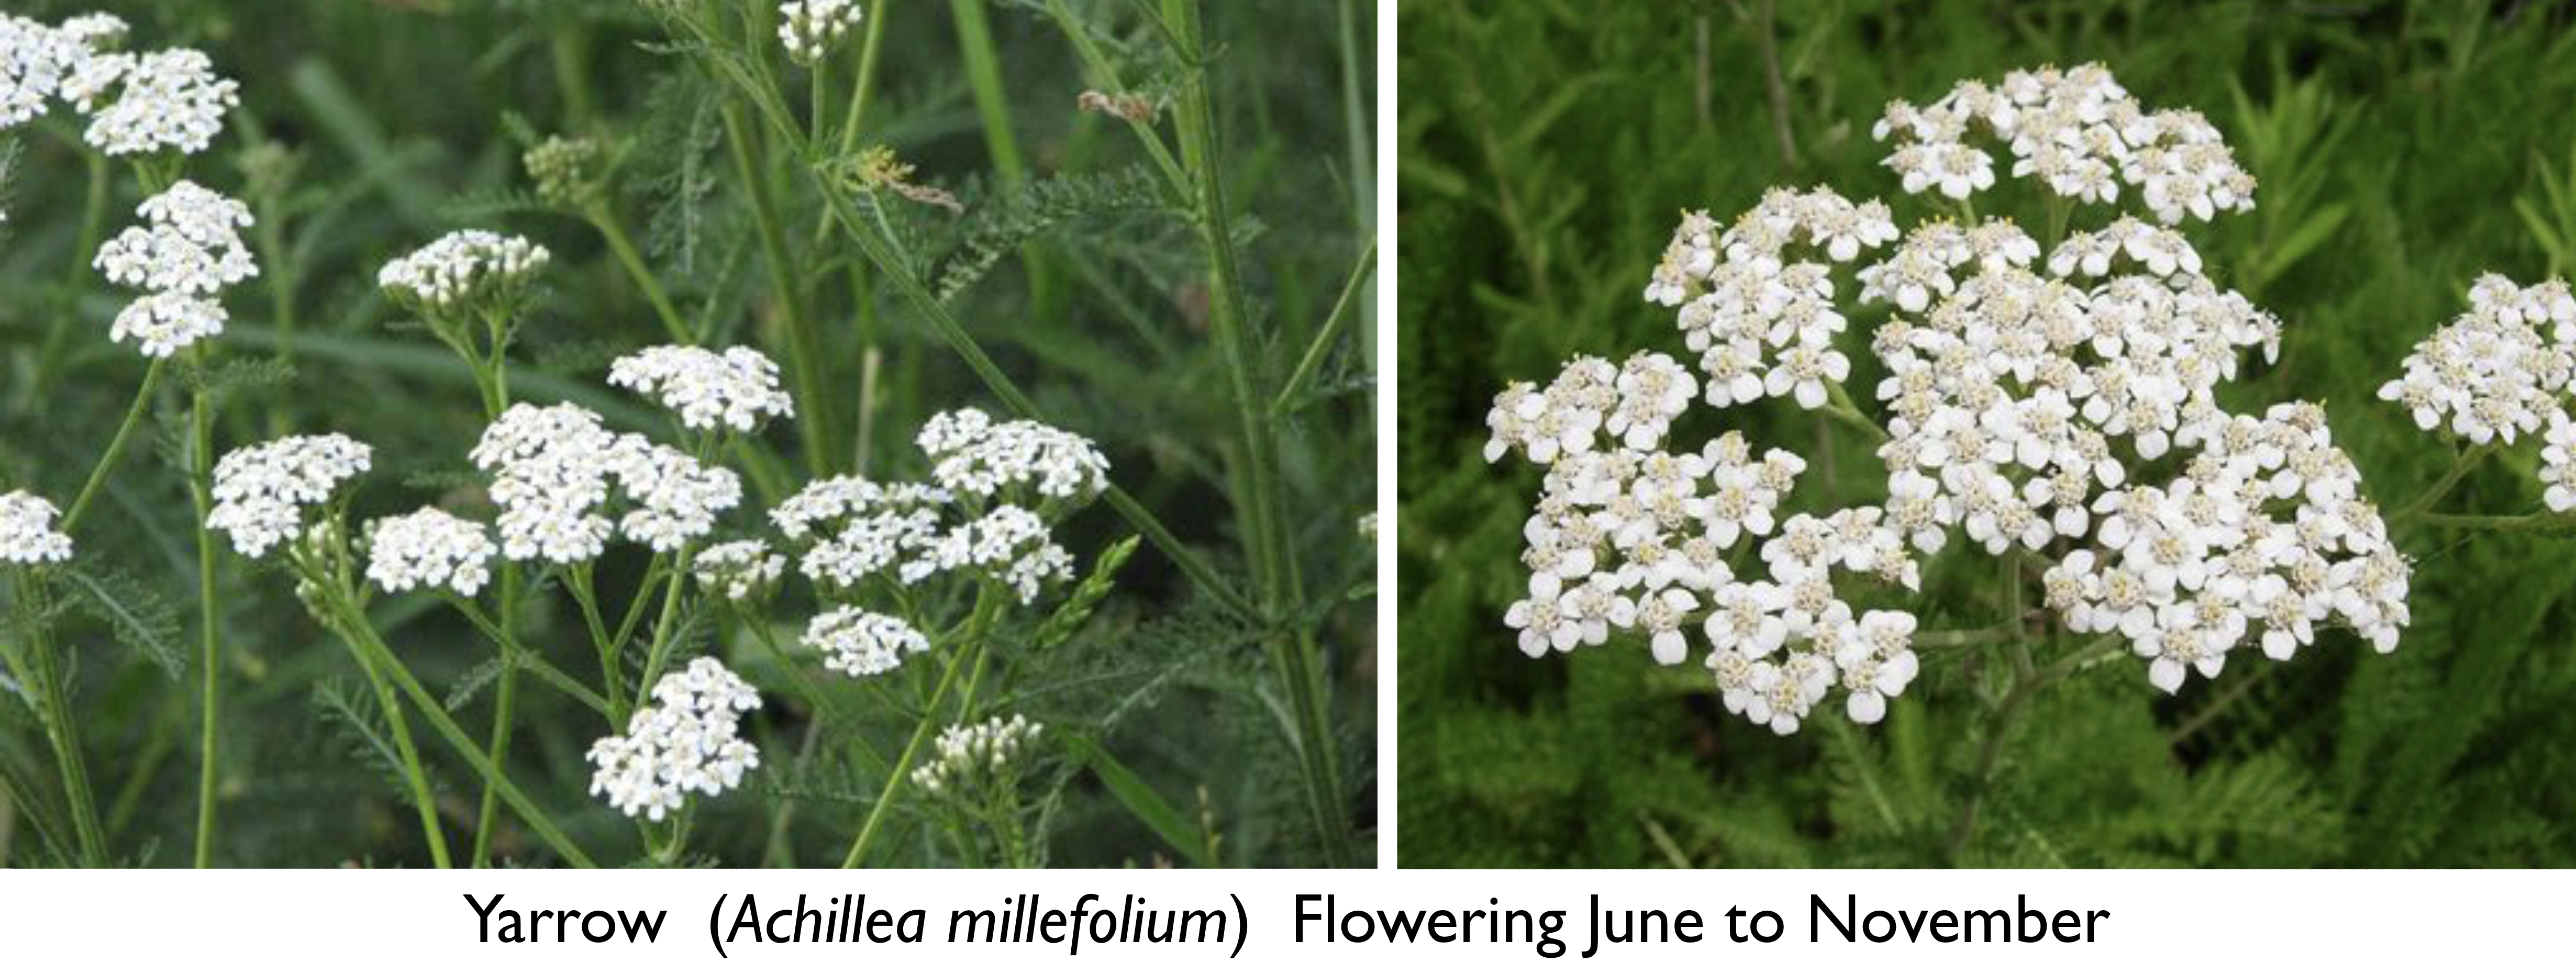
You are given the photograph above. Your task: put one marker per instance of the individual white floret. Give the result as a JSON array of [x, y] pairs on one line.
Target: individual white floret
[[261, 492], [429, 548], [736, 389], [861, 643], [27, 534]]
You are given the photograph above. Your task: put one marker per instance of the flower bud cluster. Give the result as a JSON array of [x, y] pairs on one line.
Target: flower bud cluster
[[975, 756], [467, 271]]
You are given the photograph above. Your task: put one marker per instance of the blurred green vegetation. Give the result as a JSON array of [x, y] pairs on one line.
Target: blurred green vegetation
[[1546, 152], [369, 128]]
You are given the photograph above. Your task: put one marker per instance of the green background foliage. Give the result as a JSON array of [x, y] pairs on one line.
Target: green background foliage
[[369, 128], [1548, 148]]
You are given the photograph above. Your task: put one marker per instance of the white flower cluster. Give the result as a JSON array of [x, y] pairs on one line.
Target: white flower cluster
[[429, 548], [735, 389], [975, 457], [2022, 396], [1632, 538], [2190, 570], [2491, 372], [1761, 327], [809, 28], [970, 754], [860, 643], [553, 468], [464, 270], [862, 530], [2079, 132], [187, 251], [167, 100], [740, 571], [27, 535], [261, 491], [688, 740], [36, 59]]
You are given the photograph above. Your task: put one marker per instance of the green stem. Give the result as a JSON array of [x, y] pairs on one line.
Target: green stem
[[587, 597], [504, 703], [201, 459], [663, 627], [1839, 405], [987, 605], [2496, 522], [881, 253], [633, 261], [43, 670], [115, 445], [1334, 323], [49, 358], [371, 649], [804, 345], [414, 774], [2460, 467], [1298, 657]]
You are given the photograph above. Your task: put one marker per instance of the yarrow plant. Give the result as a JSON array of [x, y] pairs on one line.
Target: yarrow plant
[[703, 453], [2050, 398]]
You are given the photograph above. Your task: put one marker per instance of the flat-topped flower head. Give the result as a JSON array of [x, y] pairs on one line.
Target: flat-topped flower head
[[861, 643], [429, 548], [468, 270], [675, 499], [2079, 133], [822, 507], [2023, 394], [970, 755], [261, 492], [739, 571], [161, 324], [972, 455], [550, 467], [27, 535], [2498, 372], [688, 741], [735, 389], [190, 242], [36, 59], [809, 28], [163, 101], [1010, 544]]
